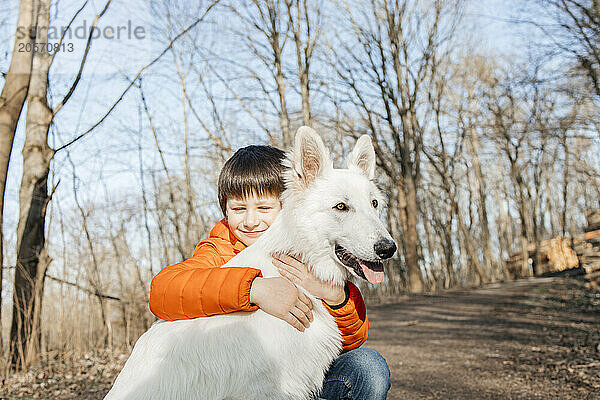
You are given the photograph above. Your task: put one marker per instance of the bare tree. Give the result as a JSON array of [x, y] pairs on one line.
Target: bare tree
[[389, 74], [444, 161], [267, 20], [575, 33], [32, 261], [471, 74], [30, 270], [508, 132], [12, 98], [305, 34]]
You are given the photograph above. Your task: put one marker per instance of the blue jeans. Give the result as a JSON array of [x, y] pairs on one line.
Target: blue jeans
[[359, 374]]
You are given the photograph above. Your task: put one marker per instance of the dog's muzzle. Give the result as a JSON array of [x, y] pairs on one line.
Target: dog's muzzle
[[372, 271]]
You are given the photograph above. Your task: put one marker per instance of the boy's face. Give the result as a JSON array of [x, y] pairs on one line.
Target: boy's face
[[248, 218]]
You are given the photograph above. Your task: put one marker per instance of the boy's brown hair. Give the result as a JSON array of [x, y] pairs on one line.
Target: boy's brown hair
[[251, 169]]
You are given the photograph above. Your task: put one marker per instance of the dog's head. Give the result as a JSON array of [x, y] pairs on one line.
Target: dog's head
[[336, 211]]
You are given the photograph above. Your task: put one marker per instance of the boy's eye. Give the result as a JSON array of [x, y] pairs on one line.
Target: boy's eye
[[341, 207]]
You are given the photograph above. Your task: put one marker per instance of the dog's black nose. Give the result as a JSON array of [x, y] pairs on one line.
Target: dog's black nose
[[385, 248]]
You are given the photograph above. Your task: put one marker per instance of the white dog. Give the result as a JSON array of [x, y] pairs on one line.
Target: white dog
[[330, 219]]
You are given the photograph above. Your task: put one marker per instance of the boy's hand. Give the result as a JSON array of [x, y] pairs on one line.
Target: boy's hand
[[282, 299], [297, 272]]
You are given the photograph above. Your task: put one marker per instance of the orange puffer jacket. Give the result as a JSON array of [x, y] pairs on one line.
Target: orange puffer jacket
[[197, 287]]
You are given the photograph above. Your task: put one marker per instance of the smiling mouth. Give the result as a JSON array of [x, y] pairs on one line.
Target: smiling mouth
[[372, 271], [251, 233]]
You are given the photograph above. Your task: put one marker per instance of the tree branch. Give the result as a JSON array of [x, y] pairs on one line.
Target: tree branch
[[138, 75]]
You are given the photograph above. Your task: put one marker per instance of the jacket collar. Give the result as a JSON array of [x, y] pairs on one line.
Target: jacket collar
[[222, 231]]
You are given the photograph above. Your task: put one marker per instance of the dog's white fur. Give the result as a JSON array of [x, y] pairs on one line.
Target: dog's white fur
[[255, 355]]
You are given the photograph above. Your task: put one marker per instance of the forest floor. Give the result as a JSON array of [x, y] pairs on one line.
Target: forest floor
[[530, 339]]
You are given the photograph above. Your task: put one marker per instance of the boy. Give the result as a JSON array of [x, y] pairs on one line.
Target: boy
[[249, 188]]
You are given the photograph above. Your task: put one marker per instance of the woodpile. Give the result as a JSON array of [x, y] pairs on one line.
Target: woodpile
[[587, 247], [556, 255], [588, 252], [513, 266], [562, 254], [593, 220], [559, 256]]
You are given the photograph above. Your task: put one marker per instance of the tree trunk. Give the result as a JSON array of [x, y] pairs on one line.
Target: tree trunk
[[565, 184], [448, 253], [396, 279], [468, 243], [434, 261], [34, 345], [303, 53], [33, 198], [524, 216], [408, 213], [12, 99], [277, 47], [491, 266], [284, 118], [537, 224], [476, 265], [504, 227], [190, 217]]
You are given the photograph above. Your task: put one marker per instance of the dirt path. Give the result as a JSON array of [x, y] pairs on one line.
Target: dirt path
[[530, 339]]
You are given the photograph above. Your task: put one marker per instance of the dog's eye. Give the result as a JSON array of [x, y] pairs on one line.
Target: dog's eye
[[374, 203], [341, 207]]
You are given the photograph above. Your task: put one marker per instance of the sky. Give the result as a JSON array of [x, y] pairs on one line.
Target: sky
[[112, 147]]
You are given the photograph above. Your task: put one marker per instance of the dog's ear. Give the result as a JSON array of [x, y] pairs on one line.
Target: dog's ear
[[363, 156], [310, 157]]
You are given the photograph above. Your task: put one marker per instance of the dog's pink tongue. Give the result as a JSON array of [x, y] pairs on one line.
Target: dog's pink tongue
[[372, 276]]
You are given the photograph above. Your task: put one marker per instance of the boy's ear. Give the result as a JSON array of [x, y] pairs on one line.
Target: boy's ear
[[310, 157], [363, 156]]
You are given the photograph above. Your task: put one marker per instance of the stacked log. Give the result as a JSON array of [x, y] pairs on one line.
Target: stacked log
[[587, 247], [562, 254], [556, 255], [514, 265], [593, 220]]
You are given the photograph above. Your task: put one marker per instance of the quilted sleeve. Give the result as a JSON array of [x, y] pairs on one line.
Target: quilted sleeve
[[351, 318], [197, 287]]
